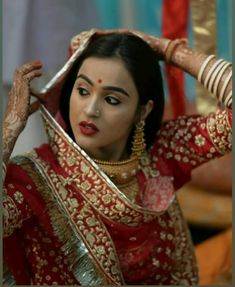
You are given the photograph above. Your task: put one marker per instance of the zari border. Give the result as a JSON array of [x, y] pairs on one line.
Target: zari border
[[185, 269], [218, 126], [102, 194], [75, 237]]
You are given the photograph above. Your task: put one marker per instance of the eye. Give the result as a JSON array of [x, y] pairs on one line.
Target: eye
[[82, 91], [112, 100]]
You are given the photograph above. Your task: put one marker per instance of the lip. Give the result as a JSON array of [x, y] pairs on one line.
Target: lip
[[88, 129]]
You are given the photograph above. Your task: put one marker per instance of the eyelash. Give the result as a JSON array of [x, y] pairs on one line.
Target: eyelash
[[109, 99], [81, 90]]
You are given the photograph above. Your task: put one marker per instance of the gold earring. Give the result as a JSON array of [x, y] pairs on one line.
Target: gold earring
[[138, 143]]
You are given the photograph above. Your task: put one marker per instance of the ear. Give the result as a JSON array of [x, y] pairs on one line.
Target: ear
[[146, 110]]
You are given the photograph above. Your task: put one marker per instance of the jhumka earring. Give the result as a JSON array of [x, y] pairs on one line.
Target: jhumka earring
[[138, 144]]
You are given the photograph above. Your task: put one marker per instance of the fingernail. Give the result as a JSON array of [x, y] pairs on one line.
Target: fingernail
[[37, 62]]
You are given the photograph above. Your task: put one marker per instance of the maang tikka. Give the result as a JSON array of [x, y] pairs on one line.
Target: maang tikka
[[138, 143]]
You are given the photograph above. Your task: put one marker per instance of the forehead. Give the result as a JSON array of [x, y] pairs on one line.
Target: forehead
[[109, 70]]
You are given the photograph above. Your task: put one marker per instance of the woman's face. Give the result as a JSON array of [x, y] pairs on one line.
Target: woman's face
[[103, 108]]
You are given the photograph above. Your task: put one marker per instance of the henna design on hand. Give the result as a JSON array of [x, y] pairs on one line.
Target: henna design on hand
[[18, 105]]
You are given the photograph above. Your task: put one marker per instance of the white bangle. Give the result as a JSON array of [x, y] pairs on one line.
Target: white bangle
[[228, 98], [230, 102], [210, 80], [205, 63], [218, 74], [4, 170], [221, 96]]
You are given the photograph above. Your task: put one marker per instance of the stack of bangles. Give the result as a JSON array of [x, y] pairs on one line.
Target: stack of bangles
[[213, 79]]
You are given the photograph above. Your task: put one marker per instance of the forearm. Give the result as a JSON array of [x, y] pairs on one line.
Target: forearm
[[213, 74], [18, 106], [12, 127]]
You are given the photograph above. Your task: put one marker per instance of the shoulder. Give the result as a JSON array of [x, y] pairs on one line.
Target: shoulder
[[20, 167]]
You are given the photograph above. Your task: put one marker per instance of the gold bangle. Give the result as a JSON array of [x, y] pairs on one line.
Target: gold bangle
[[171, 48]]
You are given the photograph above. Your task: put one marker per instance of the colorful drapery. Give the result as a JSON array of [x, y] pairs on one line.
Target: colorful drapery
[[148, 16], [175, 25]]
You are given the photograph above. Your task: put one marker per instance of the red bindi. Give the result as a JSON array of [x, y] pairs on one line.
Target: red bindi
[[99, 81]]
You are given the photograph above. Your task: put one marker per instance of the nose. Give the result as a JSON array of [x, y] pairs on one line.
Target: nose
[[92, 108]]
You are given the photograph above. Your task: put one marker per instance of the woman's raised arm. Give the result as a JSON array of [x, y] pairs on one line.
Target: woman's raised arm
[[18, 106], [214, 74]]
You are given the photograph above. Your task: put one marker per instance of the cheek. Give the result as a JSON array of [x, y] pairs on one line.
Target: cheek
[[73, 107], [121, 123]]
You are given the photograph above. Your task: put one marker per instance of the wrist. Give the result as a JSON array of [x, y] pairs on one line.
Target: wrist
[[171, 48], [216, 76]]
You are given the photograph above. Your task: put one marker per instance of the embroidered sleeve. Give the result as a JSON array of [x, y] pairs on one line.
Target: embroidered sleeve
[[190, 141], [15, 207]]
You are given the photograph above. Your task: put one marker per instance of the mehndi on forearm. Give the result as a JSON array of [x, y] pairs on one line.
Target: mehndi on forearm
[[11, 130], [214, 74]]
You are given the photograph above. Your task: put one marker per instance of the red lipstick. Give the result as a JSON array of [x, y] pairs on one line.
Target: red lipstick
[[88, 129]]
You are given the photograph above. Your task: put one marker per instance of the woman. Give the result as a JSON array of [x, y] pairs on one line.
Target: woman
[[97, 204]]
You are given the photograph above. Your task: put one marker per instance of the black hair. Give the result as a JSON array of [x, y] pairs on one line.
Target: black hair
[[141, 62]]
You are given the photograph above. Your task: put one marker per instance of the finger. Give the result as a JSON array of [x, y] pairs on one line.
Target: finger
[[31, 75], [34, 107], [27, 68]]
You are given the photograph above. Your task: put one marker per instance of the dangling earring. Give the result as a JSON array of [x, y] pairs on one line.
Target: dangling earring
[[138, 144]]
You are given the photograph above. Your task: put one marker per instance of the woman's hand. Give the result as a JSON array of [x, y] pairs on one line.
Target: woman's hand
[[18, 106], [159, 45]]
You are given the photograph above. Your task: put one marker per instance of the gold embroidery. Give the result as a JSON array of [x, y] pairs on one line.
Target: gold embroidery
[[200, 140], [131, 189], [220, 131], [11, 215], [84, 171], [185, 267], [18, 197], [85, 224]]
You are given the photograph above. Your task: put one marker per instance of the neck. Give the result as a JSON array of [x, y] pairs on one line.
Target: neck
[[109, 155]]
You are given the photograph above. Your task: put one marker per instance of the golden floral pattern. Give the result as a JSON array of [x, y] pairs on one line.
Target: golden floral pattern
[[180, 142], [66, 262], [84, 221], [184, 257], [220, 131], [193, 140], [200, 140], [84, 171], [11, 215], [18, 197]]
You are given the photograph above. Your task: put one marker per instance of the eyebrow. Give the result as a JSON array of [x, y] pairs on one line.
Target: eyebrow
[[106, 88]]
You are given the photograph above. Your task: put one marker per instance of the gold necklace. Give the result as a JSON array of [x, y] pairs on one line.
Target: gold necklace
[[120, 172]]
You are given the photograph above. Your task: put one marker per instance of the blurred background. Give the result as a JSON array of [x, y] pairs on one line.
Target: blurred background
[[41, 30]]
